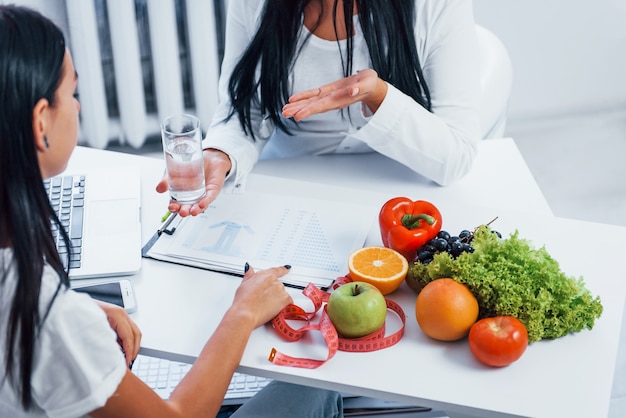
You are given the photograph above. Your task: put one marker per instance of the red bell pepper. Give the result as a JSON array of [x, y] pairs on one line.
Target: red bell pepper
[[406, 225]]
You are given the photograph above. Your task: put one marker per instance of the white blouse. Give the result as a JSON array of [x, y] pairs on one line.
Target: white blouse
[[440, 145], [77, 365]]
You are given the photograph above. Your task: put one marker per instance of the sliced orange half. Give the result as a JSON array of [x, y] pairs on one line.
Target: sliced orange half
[[383, 267]]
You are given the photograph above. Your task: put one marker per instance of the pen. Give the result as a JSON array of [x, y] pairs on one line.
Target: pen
[[164, 217], [378, 411]]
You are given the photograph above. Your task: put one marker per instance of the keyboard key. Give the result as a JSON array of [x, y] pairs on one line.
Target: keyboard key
[[76, 230]]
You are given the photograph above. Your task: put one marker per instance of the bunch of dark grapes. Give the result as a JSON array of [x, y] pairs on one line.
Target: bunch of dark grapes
[[455, 245]]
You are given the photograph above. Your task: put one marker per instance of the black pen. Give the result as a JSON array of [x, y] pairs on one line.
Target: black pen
[[378, 411]]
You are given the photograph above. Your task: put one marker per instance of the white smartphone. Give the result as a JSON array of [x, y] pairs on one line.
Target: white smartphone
[[119, 292]]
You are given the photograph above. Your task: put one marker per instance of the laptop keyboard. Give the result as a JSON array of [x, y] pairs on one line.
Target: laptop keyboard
[[163, 375], [66, 194]]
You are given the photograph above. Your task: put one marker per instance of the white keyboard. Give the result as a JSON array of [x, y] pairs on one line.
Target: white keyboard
[[163, 375]]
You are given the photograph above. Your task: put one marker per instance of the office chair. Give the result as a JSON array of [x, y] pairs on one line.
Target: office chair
[[496, 79]]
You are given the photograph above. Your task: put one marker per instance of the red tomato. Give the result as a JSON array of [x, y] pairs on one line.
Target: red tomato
[[498, 341]]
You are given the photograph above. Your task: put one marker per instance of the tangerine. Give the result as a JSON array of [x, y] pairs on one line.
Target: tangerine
[[380, 266], [446, 309]]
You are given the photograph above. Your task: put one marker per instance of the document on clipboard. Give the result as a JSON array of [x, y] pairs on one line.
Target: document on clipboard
[[314, 236]]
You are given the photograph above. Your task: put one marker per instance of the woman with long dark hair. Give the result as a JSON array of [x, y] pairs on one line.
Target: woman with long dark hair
[[59, 349], [303, 77]]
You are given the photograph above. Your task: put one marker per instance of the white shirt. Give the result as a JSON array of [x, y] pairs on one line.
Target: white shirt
[[78, 364], [440, 145]]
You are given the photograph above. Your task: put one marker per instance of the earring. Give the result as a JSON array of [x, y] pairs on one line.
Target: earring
[[45, 141]]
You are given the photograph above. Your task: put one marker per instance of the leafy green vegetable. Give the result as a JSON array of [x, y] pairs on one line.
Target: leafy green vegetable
[[510, 277]]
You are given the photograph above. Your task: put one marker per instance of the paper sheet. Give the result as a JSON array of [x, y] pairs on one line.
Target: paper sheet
[[314, 236]]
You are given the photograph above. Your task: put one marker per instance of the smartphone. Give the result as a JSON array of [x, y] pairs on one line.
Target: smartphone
[[119, 292]]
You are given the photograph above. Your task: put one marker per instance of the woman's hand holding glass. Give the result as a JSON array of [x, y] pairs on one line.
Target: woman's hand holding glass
[[364, 86], [216, 166]]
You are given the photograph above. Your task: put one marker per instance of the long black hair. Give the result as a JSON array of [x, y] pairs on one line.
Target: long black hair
[[388, 29], [32, 50]]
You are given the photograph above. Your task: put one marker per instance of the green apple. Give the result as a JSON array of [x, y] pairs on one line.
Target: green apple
[[357, 309]]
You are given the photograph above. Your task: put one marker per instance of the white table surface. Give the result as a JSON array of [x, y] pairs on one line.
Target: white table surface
[[500, 177], [179, 307]]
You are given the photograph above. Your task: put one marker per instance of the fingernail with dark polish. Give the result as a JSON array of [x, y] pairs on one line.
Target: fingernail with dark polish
[[287, 266], [246, 268]]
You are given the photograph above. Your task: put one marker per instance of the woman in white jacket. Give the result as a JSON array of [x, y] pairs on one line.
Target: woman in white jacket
[[302, 77]]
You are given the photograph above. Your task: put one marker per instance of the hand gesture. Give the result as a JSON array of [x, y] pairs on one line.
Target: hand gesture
[[128, 333], [364, 86], [216, 166]]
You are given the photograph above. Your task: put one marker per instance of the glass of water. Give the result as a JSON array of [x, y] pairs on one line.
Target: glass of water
[[182, 147]]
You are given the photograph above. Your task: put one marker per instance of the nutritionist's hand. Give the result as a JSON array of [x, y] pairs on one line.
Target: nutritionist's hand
[[364, 86], [217, 165]]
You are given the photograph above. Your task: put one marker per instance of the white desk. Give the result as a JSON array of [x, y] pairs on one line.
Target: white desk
[[180, 307], [499, 179]]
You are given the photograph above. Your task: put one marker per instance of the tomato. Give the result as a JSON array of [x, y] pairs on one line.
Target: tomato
[[498, 341]]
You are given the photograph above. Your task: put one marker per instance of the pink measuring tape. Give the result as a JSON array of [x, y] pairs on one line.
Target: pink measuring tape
[[372, 342]]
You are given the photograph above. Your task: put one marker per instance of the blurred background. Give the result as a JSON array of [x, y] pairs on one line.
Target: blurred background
[[567, 110]]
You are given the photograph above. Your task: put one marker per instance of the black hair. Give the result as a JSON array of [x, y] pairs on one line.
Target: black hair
[[32, 49], [388, 29]]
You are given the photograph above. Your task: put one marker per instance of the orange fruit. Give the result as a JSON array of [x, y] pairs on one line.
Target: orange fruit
[[380, 266], [446, 310]]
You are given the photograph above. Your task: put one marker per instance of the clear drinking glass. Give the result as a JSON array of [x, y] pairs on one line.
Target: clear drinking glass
[[182, 147]]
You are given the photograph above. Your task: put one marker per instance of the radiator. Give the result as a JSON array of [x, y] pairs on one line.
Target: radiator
[[136, 118]]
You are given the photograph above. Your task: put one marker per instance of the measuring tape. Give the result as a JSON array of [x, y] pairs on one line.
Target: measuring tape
[[372, 342]]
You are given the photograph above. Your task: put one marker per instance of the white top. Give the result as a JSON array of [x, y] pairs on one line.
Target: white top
[[78, 364], [440, 145]]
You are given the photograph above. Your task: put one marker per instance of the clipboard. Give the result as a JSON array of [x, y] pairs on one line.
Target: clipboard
[[314, 236]]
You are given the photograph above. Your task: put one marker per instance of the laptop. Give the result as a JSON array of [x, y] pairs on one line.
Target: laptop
[[100, 210]]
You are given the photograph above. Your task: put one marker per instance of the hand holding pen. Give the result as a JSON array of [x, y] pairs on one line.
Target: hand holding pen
[[261, 295]]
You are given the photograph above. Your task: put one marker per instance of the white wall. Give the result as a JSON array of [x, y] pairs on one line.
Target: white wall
[[569, 56]]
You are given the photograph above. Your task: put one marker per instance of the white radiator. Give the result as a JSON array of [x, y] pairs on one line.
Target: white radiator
[[135, 123]]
